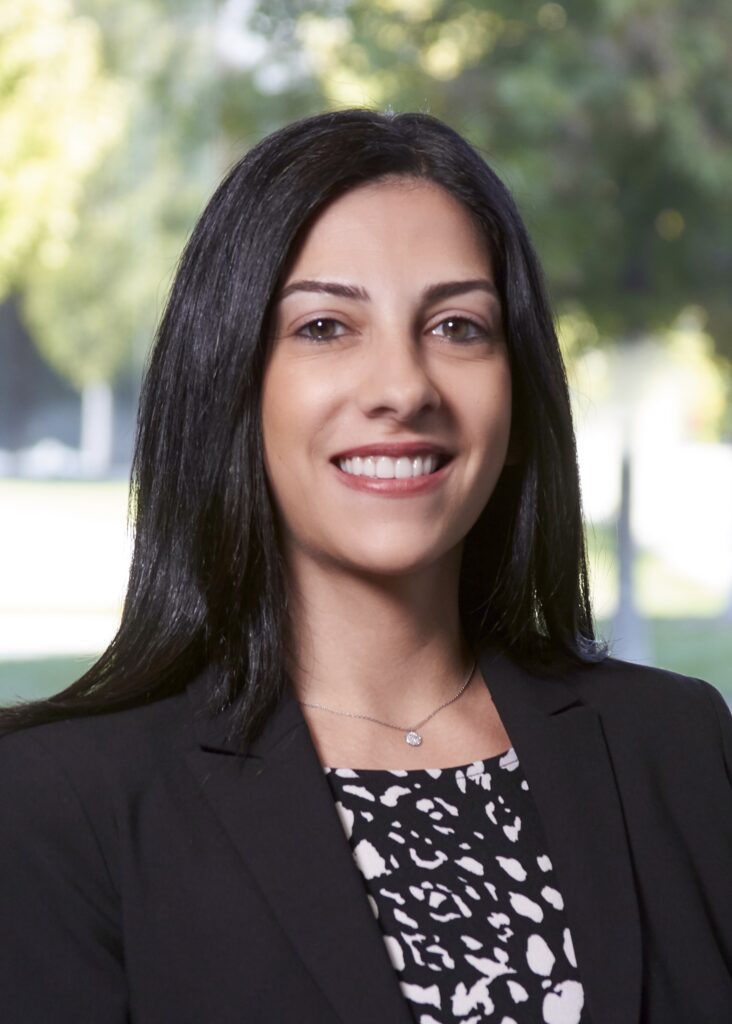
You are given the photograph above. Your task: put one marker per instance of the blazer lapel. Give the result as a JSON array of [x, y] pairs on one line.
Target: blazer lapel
[[561, 747], [276, 805]]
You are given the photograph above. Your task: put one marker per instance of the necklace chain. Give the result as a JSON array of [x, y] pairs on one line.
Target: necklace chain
[[412, 736]]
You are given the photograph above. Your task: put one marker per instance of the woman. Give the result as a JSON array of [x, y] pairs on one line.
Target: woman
[[354, 754]]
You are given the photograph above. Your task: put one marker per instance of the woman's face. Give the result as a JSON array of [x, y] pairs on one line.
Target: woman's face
[[387, 337]]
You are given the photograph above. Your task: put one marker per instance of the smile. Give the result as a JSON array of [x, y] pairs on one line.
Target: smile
[[383, 467], [381, 475]]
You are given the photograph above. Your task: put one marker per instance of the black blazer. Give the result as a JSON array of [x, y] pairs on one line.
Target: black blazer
[[148, 873]]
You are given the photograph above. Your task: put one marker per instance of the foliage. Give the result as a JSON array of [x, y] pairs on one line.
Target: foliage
[[59, 113], [92, 313], [91, 301], [92, 306], [610, 119]]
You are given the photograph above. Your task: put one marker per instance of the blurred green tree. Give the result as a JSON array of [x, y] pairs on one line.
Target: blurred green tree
[[186, 105], [59, 113], [611, 120]]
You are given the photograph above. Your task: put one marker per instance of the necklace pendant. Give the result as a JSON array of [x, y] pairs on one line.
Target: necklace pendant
[[413, 738]]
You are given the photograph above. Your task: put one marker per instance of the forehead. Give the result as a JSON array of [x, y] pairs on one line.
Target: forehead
[[391, 221]]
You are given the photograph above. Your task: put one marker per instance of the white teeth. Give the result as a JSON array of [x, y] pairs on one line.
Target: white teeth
[[386, 468]]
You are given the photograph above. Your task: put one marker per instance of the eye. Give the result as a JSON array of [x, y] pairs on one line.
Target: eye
[[459, 328], [323, 328]]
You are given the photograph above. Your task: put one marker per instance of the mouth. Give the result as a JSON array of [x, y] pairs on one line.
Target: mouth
[[382, 477], [386, 467]]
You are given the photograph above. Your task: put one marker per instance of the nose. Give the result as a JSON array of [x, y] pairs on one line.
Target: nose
[[395, 379]]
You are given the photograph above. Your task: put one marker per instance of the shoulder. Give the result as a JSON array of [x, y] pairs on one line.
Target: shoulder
[[68, 790], [616, 678], [611, 686], [70, 798], [657, 708], [624, 686], [92, 756]]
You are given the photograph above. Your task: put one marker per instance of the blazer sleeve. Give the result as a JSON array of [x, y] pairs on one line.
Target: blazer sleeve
[[61, 949]]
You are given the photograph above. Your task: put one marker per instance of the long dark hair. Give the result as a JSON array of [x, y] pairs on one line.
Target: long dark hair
[[207, 583]]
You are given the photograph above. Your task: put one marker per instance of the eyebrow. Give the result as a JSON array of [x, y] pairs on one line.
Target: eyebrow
[[432, 293]]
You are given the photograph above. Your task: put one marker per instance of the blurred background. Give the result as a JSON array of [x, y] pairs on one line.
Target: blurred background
[[611, 121]]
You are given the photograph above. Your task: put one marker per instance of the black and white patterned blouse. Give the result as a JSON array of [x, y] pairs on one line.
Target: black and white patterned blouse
[[456, 872]]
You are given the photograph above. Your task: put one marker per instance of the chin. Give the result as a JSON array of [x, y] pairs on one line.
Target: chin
[[394, 559]]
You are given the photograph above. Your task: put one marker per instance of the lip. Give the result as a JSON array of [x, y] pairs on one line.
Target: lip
[[393, 449], [395, 488]]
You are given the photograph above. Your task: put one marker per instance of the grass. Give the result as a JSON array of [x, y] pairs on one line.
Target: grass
[[40, 677]]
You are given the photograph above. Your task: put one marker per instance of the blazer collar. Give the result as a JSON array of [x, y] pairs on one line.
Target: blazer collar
[[564, 753], [275, 803], [213, 730], [300, 856]]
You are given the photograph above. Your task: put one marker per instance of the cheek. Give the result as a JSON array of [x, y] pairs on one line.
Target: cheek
[[277, 398], [294, 410], [487, 412], [282, 401]]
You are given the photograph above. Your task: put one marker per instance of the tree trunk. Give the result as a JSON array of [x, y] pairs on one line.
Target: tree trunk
[[630, 631]]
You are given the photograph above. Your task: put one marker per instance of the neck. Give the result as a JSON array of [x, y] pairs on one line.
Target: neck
[[389, 647]]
